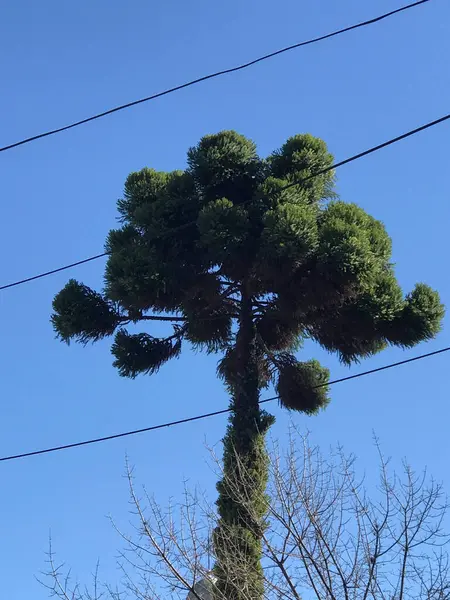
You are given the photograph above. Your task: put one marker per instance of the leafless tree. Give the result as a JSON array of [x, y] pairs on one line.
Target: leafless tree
[[327, 537]]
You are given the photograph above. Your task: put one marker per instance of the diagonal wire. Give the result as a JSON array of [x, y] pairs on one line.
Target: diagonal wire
[[212, 414], [212, 76], [292, 184], [346, 161], [53, 271]]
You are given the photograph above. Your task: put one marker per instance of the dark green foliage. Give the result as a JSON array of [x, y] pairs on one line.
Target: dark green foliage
[[278, 331], [82, 314], [419, 319], [314, 268], [223, 230], [154, 201], [141, 191], [242, 502], [290, 234], [242, 507], [228, 369], [300, 157], [210, 331], [141, 353], [249, 268], [208, 322], [134, 276], [302, 386], [225, 165], [353, 248]]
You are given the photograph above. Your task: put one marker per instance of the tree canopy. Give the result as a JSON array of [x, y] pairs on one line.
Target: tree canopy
[[316, 267]]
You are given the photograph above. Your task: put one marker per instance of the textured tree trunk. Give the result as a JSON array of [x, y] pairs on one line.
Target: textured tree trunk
[[241, 502]]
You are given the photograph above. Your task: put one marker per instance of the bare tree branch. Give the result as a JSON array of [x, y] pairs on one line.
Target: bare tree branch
[[327, 536]]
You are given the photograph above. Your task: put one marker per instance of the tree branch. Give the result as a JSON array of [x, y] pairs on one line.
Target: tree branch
[[162, 318]]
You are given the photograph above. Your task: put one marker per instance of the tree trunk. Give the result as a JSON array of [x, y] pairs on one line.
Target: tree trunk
[[241, 503]]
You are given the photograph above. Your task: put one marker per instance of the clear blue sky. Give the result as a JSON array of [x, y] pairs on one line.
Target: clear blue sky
[[62, 61]]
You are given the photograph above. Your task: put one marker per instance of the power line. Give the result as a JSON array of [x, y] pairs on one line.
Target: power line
[[212, 414], [292, 184], [53, 271], [399, 138], [212, 76]]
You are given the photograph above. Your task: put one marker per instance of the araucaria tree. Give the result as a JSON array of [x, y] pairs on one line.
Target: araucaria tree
[[243, 263]]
